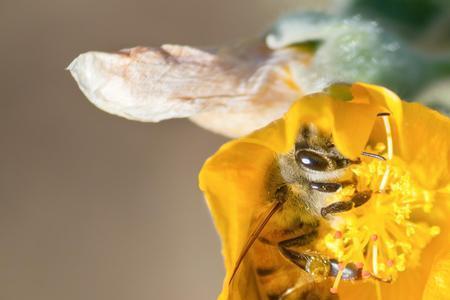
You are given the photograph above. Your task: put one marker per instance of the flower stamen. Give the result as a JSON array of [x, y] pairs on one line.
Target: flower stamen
[[375, 254], [338, 278], [383, 233], [390, 149]]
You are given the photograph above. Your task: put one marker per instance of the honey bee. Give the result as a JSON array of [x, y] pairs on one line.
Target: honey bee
[[300, 184]]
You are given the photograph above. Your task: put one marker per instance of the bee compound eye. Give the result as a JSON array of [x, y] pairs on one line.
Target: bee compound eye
[[312, 160]]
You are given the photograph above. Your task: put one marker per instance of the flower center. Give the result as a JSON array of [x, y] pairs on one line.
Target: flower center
[[385, 235]]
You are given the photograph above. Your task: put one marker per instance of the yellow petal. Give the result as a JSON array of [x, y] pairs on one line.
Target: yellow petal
[[280, 135], [438, 284], [386, 101], [350, 124], [379, 96], [426, 143], [353, 123], [233, 183]]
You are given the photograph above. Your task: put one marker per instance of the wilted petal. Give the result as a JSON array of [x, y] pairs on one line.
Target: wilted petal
[[231, 91]]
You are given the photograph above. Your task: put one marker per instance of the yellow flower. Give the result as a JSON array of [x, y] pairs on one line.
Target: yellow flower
[[402, 233]]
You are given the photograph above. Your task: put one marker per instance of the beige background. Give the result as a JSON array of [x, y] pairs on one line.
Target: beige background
[[93, 206]]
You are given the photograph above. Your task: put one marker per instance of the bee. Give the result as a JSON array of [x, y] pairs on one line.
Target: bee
[[300, 184]]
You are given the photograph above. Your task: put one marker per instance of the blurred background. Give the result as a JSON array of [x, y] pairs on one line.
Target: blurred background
[[93, 206]]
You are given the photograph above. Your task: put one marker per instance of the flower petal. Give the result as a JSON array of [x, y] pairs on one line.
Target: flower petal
[[232, 91], [233, 183], [353, 123], [350, 124], [438, 284], [426, 145]]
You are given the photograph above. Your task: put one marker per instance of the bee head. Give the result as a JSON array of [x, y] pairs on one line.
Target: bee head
[[314, 168], [317, 156]]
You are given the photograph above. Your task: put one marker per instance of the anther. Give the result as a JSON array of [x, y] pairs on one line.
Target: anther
[[390, 263], [382, 114], [333, 290], [338, 234]]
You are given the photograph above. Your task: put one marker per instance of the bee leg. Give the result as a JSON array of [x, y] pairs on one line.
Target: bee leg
[[358, 199], [351, 271], [320, 266], [361, 198], [295, 257], [336, 207], [325, 187], [300, 259], [317, 265], [314, 264]]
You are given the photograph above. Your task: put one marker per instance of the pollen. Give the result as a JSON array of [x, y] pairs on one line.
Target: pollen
[[386, 234]]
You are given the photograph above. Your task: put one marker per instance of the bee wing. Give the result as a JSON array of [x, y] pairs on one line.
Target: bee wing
[[231, 90]]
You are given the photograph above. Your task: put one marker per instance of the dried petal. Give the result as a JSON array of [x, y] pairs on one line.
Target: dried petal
[[231, 91]]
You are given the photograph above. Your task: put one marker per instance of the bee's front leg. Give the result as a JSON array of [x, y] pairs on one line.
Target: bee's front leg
[[358, 199]]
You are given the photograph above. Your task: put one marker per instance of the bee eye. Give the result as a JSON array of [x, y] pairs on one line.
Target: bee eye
[[312, 160]]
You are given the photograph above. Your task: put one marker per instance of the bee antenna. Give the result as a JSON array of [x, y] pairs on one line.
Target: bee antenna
[[373, 155]]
